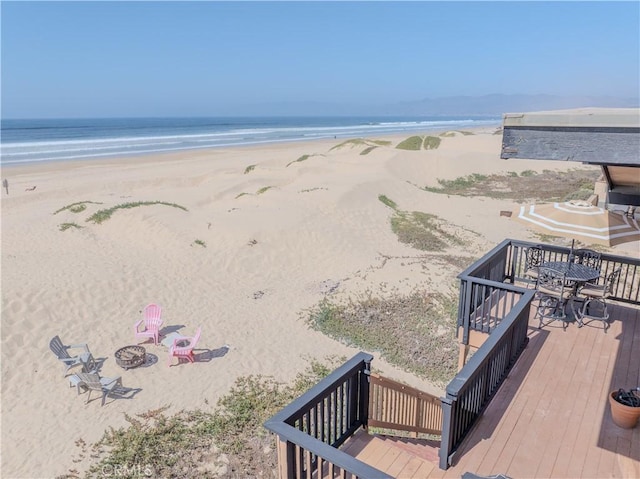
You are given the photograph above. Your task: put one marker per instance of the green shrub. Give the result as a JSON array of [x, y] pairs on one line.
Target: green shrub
[[431, 142], [411, 143], [387, 201], [249, 169], [77, 207], [103, 215], [66, 226], [368, 150], [302, 158]]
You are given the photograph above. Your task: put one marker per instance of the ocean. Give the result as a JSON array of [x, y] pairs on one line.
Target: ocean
[[28, 141]]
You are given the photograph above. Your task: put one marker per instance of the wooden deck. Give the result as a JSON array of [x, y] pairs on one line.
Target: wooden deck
[[550, 418]]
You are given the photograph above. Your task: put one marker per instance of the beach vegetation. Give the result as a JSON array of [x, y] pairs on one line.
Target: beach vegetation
[[420, 230], [264, 189], [414, 331], [361, 141], [301, 159], [449, 134], [423, 231], [527, 186], [66, 226], [226, 442], [388, 202], [240, 195], [351, 142], [103, 215], [368, 150], [580, 194], [249, 169], [368, 143], [77, 207], [308, 190], [411, 143], [461, 183], [431, 142], [200, 243]]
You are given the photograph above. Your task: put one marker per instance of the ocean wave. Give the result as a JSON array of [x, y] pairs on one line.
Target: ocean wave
[[164, 137]]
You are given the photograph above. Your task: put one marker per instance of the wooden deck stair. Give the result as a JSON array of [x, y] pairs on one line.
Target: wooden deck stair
[[403, 458]]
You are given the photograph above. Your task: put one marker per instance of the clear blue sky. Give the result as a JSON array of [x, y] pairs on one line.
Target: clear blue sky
[[92, 59]]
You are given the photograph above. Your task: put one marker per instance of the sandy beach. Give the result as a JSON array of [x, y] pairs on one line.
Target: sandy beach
[[264, 238]]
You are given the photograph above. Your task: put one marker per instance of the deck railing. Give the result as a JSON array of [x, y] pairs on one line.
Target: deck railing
[[489, 287], [312, 427], [478, 381], [493, 299], [394, 405], [627, 288]]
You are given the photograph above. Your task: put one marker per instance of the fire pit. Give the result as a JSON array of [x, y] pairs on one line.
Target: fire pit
[[130, 356]]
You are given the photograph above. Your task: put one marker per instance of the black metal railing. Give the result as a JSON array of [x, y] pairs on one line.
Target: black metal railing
[[478, 381], [626, 289], [493, 299], [312, 427], [484, 304]]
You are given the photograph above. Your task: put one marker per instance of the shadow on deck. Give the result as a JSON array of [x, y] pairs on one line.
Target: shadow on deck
[[550, 418]]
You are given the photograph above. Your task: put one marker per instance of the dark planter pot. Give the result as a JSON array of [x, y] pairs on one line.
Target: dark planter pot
[[623, 415]]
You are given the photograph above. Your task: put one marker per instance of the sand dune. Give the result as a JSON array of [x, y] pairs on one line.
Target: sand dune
[[273, 241]]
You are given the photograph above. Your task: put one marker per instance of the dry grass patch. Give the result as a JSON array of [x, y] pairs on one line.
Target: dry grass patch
[[577, 184], [230, 441], [415, 331], [420, 230]]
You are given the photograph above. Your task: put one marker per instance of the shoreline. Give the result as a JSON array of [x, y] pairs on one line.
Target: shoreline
[[210, 150]]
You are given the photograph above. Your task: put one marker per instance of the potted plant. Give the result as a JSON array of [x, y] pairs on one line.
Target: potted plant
[[625, 407]]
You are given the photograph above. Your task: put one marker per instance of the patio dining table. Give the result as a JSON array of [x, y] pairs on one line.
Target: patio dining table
[[575, 272]]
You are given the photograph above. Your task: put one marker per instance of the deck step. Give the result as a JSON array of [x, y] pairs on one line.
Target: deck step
[[421, 448], [400, 459]]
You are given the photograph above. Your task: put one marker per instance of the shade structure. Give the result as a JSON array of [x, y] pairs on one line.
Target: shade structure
[[581, 221]]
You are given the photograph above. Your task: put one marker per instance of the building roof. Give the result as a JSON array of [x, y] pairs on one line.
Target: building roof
[[609, 137]]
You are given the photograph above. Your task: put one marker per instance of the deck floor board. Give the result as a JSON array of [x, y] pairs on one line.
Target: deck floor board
[[551, 417]]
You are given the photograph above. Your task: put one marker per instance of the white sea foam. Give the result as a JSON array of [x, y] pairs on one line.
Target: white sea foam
[[101, 141]]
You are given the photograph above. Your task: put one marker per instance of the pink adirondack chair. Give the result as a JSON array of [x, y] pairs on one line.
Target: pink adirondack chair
[[182, 347], [151, 322]]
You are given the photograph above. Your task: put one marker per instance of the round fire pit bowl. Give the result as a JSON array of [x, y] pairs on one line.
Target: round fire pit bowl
[[130, 356]]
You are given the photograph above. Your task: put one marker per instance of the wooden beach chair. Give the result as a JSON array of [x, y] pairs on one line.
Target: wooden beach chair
[[151, 322], [106, 386], [182, 347], [83, 359]]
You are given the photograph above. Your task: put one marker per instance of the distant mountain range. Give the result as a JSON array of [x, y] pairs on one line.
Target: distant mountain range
[[498, 104], [485, 105]]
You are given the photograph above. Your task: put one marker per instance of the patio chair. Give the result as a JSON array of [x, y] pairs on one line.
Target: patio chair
[[588, 257], [595, 300], [151, 322], [534, 257], [93, 382], [182, 347], [553, 292], [83, 359]]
